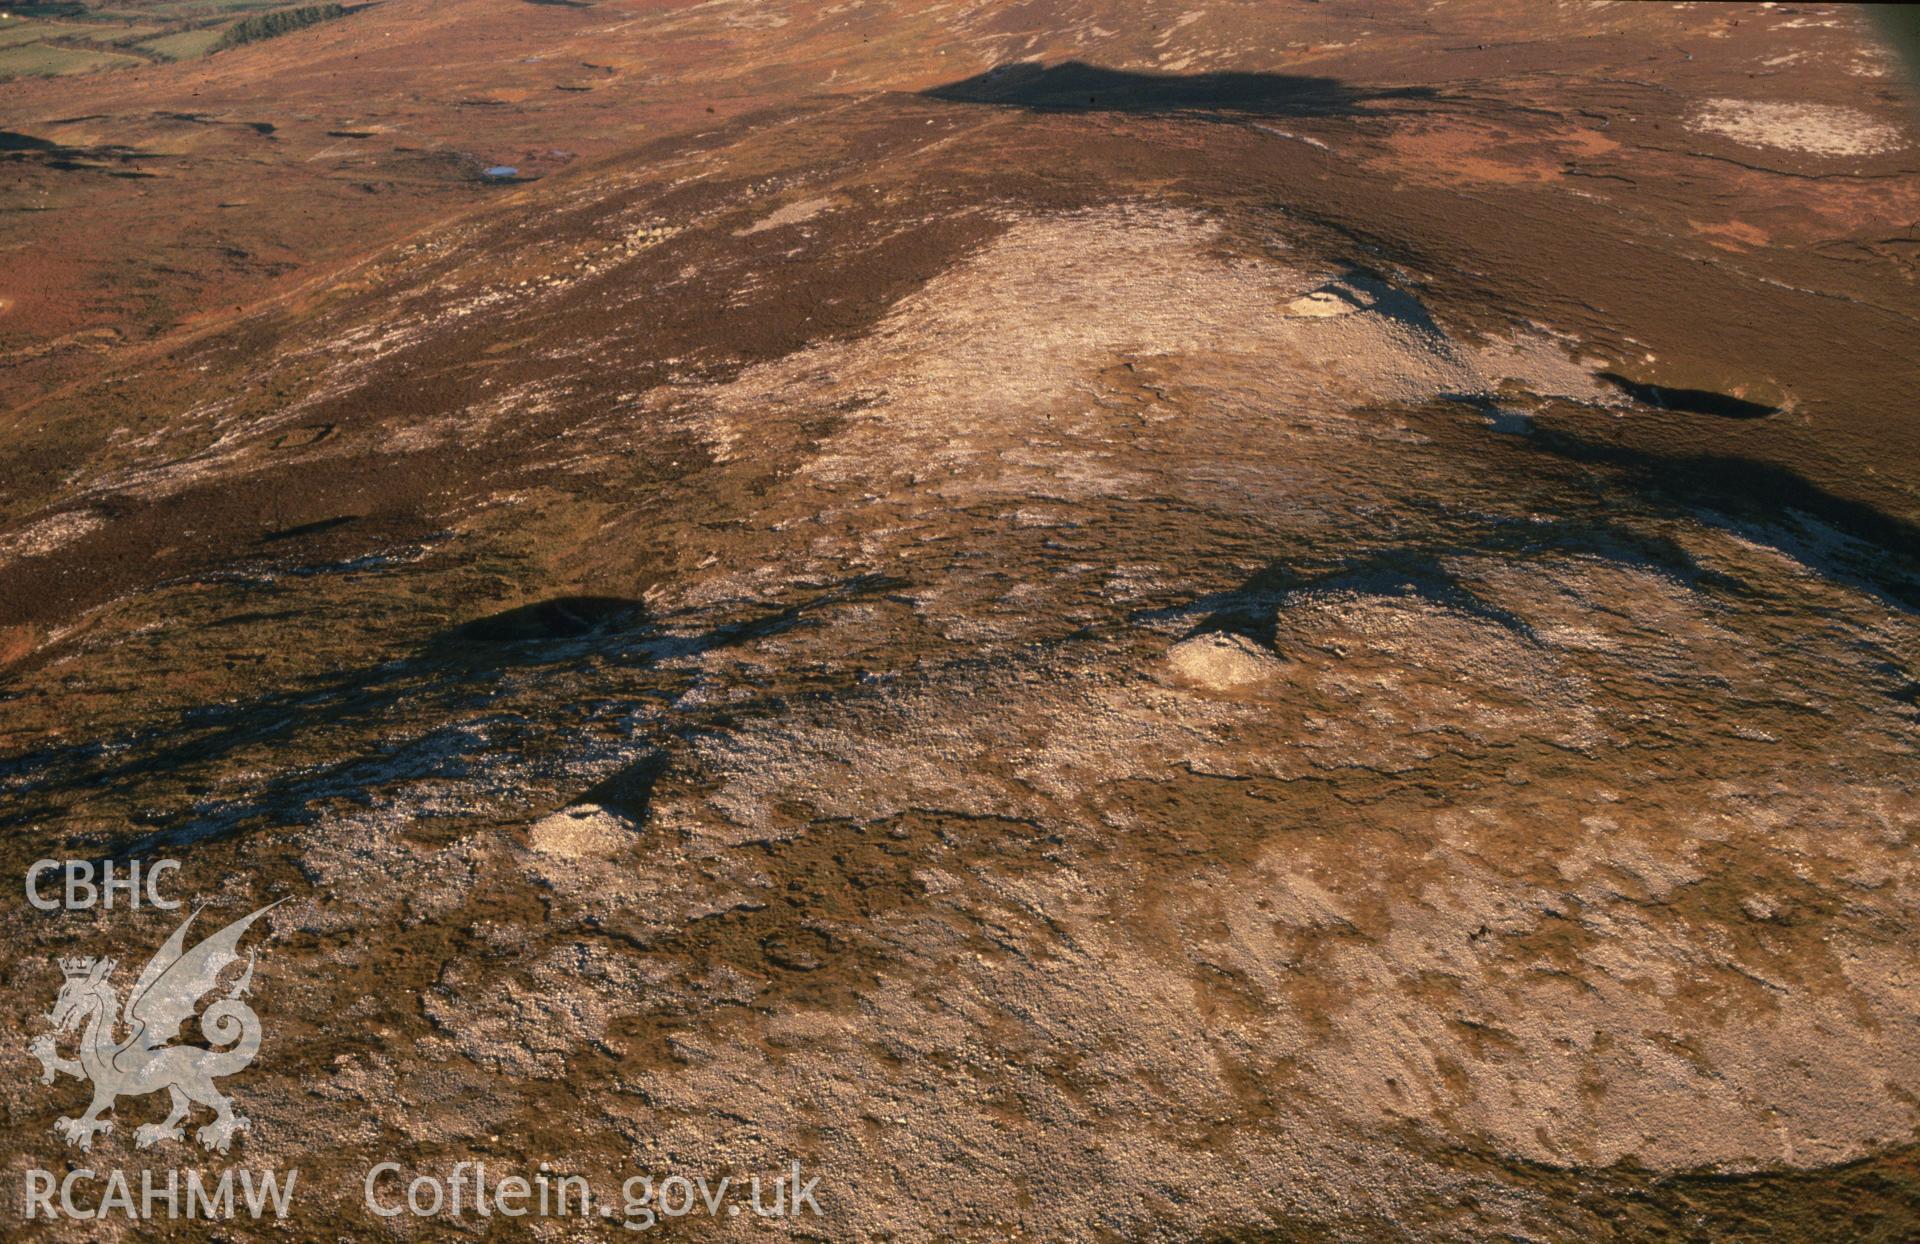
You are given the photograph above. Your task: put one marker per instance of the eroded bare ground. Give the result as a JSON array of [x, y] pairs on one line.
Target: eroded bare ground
[[1328, 652]]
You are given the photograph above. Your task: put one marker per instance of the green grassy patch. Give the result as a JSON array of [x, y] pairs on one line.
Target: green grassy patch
[[186, 44], [192, 10], [31, 60], [15, 32], [46, 39], [107, 34]]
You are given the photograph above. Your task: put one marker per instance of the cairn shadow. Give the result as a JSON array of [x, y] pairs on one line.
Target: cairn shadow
[[1075, 86], [1419, 571], [460, 683], [1875, 552], [1689, 401], [1842, 540]]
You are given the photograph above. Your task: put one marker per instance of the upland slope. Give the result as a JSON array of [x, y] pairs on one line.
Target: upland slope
[[1113, 621]]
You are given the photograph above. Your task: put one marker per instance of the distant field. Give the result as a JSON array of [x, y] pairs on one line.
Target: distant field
[[105, 32], [31, 36], [187, 44], [191, 10], [121, 33], [29, 60], [15, 32]]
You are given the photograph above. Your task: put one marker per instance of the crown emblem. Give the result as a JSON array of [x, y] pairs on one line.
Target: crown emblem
[[78, 965]]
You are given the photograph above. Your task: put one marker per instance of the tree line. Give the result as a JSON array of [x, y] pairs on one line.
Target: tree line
[[279, 22]]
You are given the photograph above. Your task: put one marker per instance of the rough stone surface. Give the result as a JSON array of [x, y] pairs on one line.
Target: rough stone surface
[[963, 618]]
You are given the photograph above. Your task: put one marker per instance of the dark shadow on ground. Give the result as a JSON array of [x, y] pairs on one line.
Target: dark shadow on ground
[[1419, 571], [563, 617], [460, 690], [1842, 540], [1689, 401], [630, 791], [1878, 1198], [1077, 86], [17, 147], [1879, 553], [1381, 296]]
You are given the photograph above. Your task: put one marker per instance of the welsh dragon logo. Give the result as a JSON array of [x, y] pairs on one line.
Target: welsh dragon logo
[[147, 1060]]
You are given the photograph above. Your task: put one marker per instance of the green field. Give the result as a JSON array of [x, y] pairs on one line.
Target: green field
[[15, 31], [170, 29], [186, 44], [198, 10], [29, 60], [114, 33]]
